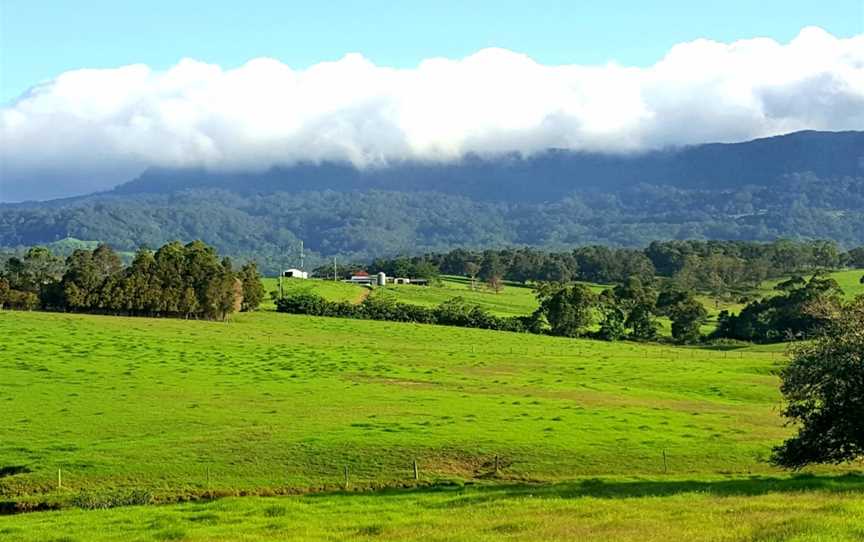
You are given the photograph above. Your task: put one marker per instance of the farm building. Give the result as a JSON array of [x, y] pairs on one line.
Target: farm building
[[360, 277], [406, 280], [295, 274], [381, 279]]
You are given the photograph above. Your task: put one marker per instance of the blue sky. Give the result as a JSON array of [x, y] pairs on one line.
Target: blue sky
[[40, 39], [93, 92]]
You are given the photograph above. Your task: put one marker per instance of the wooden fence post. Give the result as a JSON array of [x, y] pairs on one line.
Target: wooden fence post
[[346, 476], [665, 466], [59, 478], [416, 471]]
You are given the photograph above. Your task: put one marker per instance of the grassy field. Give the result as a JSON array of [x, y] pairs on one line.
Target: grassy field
[[332, 290], [276, 401], [849, 281], [614, 440], [513, 300]]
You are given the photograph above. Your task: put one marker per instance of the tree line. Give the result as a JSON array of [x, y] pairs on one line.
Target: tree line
[[185, 281], [453, 312], [718, 267]]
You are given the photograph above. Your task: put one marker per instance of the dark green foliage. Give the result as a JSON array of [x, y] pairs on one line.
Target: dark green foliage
[[569, 310], [855, 258], [686, 313], [823, 390], [612, 327], [783, 316], [177, 280], [721, 266], [639, 303], [360, 225], [16, 299], [491, 266], [717, 267], [253, 289]]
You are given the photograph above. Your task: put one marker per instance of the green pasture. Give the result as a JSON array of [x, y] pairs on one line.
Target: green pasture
[[607, 441], [331, 290], [280, 401], [514, 299], [849, 280]]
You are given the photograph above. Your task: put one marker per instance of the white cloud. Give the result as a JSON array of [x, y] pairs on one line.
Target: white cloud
[[90, 129]]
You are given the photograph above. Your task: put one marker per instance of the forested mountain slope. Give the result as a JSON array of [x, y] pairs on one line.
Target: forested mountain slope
[[804, 185]]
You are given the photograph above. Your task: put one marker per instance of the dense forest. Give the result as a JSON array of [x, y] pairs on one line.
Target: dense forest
[[363, 225], [802, 186]]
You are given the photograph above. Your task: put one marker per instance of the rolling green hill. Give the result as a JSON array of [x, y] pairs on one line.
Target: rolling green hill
[[271, 403]]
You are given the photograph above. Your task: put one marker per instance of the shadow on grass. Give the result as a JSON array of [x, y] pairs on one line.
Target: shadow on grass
[[622, 489]]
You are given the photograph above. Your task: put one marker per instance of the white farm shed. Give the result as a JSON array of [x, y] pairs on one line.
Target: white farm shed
[[295, 274]]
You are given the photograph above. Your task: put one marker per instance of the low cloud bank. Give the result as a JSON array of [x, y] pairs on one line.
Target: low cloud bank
[[90, 129]]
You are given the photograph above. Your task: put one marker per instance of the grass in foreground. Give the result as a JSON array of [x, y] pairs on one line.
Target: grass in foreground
[[812, 509], [273, 403]]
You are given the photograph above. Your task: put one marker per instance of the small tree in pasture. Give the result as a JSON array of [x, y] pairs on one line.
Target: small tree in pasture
[[472, 269]]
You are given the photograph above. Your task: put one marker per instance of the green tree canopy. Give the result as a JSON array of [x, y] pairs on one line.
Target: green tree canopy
[[824, 391]]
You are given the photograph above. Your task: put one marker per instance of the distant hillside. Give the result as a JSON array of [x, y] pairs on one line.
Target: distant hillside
[[805, 185]]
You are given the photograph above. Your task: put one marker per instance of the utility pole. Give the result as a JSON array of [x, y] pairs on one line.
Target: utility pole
[[302, 256], [281, 271], [334, 268]]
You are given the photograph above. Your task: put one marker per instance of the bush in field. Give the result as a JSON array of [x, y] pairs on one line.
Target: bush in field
[[454, 312], [382, 306]]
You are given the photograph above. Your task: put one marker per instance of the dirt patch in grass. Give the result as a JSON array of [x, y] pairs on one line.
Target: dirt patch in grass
[[12, 470], [402, 382]]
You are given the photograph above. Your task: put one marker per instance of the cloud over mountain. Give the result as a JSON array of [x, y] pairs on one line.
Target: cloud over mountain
[[90, 129]]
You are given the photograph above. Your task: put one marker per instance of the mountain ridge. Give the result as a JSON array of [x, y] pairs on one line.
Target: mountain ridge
[[549, 175]]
